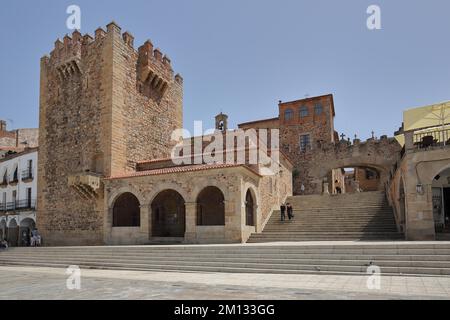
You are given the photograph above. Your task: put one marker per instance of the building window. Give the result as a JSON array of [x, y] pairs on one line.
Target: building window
[[371, 174], [14, 200], [318, 109], [305, 142], [303, 112], [288, 115], [28, 199], [3, 204], [5, 178]]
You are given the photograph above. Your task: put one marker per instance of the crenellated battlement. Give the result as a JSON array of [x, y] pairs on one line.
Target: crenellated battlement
[[154, 68], [357, 145], [104, 106]]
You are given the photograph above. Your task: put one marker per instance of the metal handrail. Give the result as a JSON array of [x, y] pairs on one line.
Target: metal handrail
[[440, 137]]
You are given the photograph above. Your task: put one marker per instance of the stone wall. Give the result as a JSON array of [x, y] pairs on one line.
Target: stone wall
[[414, 210], [30, 136], [16, 138], [234, 182], [188, 185], [95, 118]]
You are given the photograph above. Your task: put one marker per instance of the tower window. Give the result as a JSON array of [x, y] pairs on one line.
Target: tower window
[[305, 142], [288, 115], [318, 109], [303, 112]]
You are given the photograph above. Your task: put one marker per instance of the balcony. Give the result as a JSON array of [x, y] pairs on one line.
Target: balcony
[[27, 175], [14, 180], [27, 204], [4, 183], [428, 138], [87, 184]]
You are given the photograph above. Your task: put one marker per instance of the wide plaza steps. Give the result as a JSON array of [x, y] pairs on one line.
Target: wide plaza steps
[[394, 258], [357, 216]]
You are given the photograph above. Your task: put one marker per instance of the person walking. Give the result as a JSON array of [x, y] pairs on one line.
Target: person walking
[[36, 238], [302, 189], [290, 211], [283, 212], [338, 188]]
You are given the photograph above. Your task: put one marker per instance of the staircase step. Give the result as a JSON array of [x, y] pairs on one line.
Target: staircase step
[[339, 217], [394, 258]]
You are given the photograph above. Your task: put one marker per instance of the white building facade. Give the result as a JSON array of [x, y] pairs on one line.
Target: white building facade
[[18, 187]]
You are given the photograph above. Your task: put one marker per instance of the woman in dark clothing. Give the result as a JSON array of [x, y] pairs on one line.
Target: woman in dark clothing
[[283, 212], [290, 211]]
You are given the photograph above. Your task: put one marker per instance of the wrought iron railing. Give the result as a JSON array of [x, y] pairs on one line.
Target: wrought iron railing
[[27, 174], [14, 179], [432, 138], [27, 204]]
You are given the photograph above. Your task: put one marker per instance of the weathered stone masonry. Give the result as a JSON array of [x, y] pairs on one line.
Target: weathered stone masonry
[[101, 103]]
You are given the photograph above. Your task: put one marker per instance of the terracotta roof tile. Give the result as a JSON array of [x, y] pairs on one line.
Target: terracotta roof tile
[[179, 169]]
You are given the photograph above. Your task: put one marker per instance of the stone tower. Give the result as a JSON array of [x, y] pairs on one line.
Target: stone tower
[[304, 125], [2, 125], [103, 107]]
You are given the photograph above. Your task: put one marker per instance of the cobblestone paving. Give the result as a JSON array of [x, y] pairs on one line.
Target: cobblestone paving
[[49, 283]]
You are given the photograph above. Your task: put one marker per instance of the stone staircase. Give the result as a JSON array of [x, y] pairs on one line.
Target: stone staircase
[[394, 258], [358, 216]]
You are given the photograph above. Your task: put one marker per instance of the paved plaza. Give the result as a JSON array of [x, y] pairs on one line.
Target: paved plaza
[[50, 283]]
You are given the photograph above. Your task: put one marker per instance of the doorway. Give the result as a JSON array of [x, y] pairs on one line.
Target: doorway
[[446, 201]]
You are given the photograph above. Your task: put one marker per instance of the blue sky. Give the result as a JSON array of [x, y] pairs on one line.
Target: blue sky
[[242, 56]]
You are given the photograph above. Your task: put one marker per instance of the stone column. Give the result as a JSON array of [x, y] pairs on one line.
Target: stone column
[[257, 218], [409, 140], [233, 220], [145, 223], [191, 222], [420, 222], [107, 225]]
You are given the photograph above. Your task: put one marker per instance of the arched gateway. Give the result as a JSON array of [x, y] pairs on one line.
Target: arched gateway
[[126, 211], [168, 215], [211, 207]]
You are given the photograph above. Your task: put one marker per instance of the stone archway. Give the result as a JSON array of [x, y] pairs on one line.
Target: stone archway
[[3, 229], [211, 207], [325, 177], [377, 154], [441, 202], [26, 226], [354, 179], [126, 211], [168, 213], [13, 233]]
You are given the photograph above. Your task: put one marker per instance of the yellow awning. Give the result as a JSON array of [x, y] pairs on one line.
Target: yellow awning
[[422, 117]]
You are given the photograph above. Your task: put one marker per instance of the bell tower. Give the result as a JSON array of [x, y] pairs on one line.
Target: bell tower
[[222, 122]]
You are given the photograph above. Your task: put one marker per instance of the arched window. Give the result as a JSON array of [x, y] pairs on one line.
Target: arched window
[[126, 211], [303, 111], [211, 207], [249, 209], [288, 114]]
